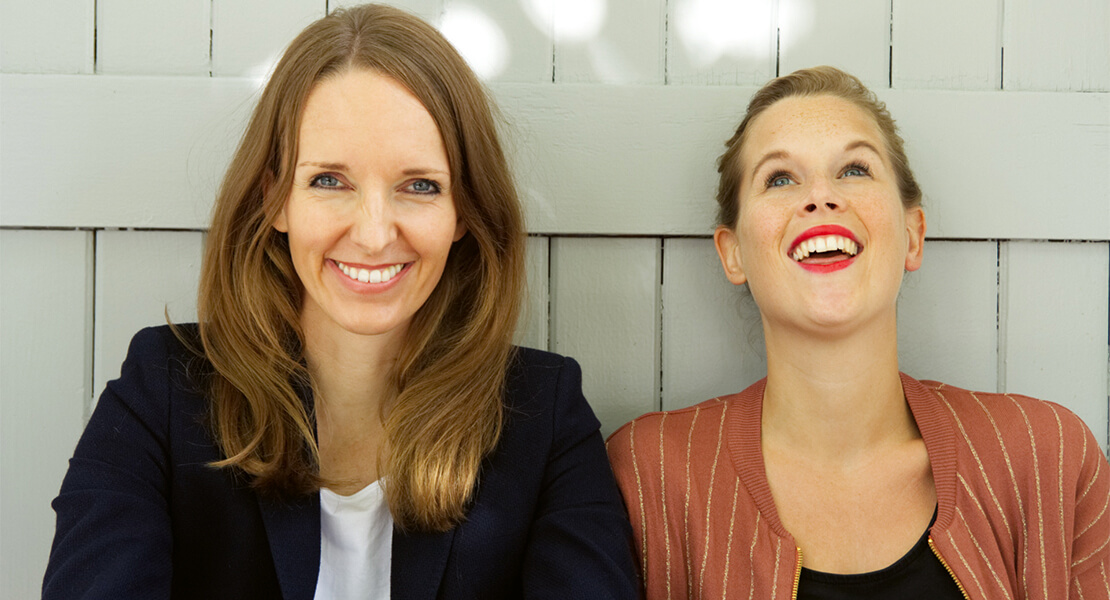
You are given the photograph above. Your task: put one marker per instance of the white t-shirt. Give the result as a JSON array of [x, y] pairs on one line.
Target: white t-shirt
[[356, 545]]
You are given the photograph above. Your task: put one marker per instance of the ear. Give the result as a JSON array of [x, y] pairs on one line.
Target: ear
[[728, 249], [915, 234], [460, 230], [281, 223]]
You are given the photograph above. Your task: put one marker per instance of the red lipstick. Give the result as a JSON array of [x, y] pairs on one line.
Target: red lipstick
[[823, 230]]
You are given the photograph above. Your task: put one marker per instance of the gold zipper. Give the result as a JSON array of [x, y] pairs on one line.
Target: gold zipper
[[797, 575], [933, 547]]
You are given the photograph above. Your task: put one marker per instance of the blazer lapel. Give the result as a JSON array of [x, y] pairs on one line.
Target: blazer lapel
[[293, 530], [418, 564]]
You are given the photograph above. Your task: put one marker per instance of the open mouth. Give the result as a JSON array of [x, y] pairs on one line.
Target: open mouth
[[825, 249], [371, 275]]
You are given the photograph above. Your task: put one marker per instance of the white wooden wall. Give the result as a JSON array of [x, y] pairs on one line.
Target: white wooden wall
[[118, 116]]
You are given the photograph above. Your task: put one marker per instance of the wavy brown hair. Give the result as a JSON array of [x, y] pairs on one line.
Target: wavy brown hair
[[817, 81], [450, 373]]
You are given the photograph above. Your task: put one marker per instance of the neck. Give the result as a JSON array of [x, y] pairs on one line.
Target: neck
[[350, 372], [835, 398]]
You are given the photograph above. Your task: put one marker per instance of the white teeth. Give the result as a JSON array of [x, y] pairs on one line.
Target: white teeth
[[371, 275], [828, 243]]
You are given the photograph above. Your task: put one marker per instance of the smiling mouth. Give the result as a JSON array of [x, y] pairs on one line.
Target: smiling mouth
[[371, 275], [825, 249]]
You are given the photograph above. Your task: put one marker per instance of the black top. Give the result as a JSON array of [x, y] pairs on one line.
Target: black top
[[919, 575]]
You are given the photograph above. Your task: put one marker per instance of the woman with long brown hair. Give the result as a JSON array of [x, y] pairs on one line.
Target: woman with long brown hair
[[837, 476], [349, 417]]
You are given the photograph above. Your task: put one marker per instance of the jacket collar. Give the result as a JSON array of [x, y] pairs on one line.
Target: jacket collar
[[418, 564]]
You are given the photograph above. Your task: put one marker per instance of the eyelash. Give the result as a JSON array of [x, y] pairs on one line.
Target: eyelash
[[434, 188], [859, 166], [315, 182], [769, 182]]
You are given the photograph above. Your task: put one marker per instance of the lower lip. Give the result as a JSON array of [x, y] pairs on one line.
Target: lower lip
[[829, 268], [367, 288]]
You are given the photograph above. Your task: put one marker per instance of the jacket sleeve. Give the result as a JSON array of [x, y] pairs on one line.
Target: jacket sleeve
[[113, 536], [1090, 551], [579, 544]]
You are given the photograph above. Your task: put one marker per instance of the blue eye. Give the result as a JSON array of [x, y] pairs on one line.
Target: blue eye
[[325, 180], [778, 179], [856, 170], [424, 186]]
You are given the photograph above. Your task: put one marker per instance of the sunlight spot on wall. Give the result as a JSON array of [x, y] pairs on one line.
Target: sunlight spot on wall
[[797, 16], [478, 39], [568, 20], [714, 29]]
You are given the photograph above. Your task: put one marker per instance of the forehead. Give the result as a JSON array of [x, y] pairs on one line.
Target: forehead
[[806, 122]]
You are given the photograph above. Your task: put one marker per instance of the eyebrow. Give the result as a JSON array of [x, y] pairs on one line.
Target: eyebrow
[[784, 154], [414, 171], [324, 165], [862, 144]]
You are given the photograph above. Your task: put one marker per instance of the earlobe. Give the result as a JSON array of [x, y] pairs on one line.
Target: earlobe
[[728, 249], [915, 233], [460, 231], [281, 223]]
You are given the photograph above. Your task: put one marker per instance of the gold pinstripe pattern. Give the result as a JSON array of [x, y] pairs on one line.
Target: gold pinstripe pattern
[[1040, 501], [960, 555], [1079, 589], [728, 546], [778, 554], [1060, 477], [1094, 520], [640, 495], [751, 556], [1096, 551], [709, 500], [1098, 469], [686, 509], [663, 495], [971, 494], [983, 555], [1105, 580]]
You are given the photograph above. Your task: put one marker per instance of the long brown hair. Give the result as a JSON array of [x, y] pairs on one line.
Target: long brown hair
[[450, 372], [815, 81]]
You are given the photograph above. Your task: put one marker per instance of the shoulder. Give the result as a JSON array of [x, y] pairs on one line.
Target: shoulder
[[533, 375]]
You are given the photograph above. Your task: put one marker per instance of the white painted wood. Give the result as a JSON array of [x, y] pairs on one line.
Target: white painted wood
[[712, 337], [503, 41], [140, 275], [591, 159], [853, 35], [532, 331], [1054, 317], [1059, 45], [721, 42], [120, 151], [248, 36], [986, 162], [609, 41], [947, 316], [932, 49], [45, 321], [139, 37], [604, 313], [47, 36]]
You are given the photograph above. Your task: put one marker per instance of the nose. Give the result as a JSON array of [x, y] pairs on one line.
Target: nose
[[374, 226], [822, 197]]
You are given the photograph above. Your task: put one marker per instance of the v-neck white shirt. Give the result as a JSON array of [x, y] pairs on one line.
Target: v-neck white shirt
[[356, 545]]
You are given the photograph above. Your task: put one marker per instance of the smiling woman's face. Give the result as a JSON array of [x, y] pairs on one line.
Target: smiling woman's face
[[371, 217], [822, 237]]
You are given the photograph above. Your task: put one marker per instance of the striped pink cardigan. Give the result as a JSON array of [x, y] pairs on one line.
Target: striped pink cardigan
[[1022, 494]]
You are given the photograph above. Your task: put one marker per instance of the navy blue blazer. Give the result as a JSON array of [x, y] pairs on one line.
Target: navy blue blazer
[[142, 515]]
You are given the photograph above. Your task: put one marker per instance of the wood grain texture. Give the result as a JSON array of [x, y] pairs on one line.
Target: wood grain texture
[[931, 49], [248, 36], [721, 42], [712, 337], [1060, 45], [614, 41], [853, 35], [45, 362], [47, 36], [947, 325], [532, 331], [604, 313], [1055, 324], [136, 37], [140, 276]]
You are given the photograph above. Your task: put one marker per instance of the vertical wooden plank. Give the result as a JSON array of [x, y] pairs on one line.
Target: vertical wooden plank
[[47, 36], [139, 276], [721, 42], [614, 41], [712, 336], [931, 49], [244, 44], [532, 331], [947, 316], [853, 35], [604, 313], [1054, 317], [503, 41], [1059, 45], [153, 38], [45, 321]]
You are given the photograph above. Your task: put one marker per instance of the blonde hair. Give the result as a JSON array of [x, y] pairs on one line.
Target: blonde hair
[[450, 373], [811, 82]]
